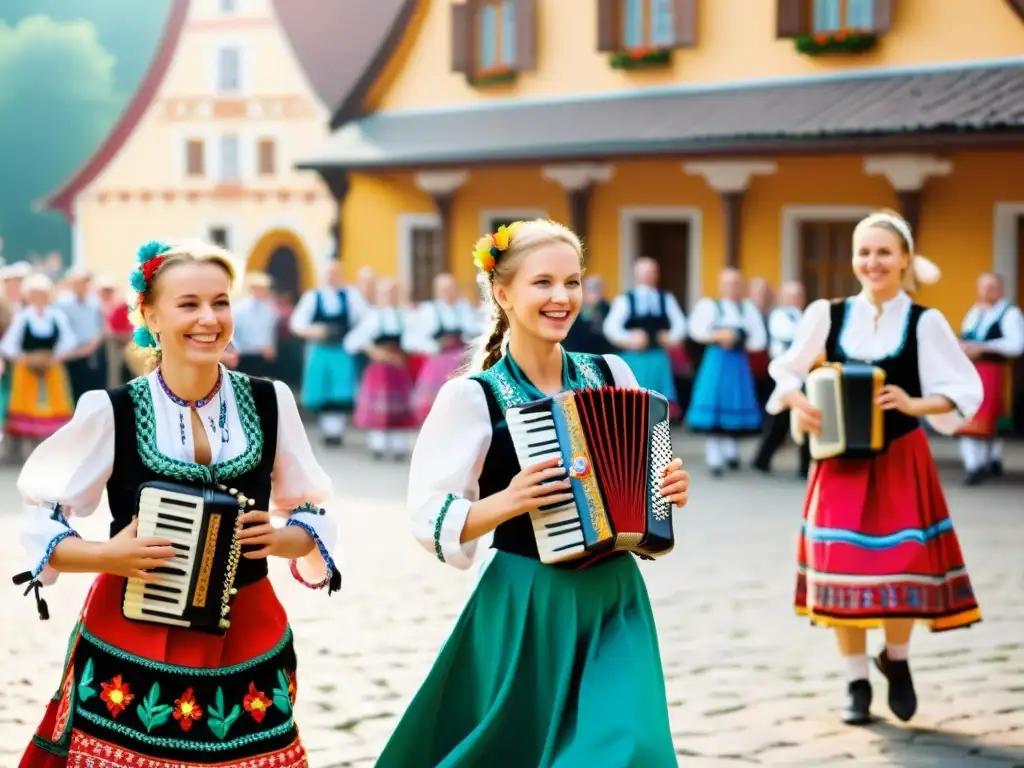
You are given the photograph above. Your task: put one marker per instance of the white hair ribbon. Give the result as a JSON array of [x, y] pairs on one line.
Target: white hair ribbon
[[925, 271]]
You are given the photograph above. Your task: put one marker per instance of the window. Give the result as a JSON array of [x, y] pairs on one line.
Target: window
[[230, 156], [267, 159], [229, 69], [496, 36], [826, 249], [646, 24], [428, 260], [219, 236], [843, 16], [228, 6], [195, 157]]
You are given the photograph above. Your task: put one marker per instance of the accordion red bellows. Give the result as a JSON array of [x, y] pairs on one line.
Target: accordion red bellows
[[616, 444]]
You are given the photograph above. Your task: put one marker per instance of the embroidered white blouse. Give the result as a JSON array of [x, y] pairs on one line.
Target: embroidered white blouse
[[647, 303], [40, 324], [305, 310], [943, 367], [381, 321], [979, 320], [782, 324], [710, 315], [72, 466], [448, 459], [431, 316]]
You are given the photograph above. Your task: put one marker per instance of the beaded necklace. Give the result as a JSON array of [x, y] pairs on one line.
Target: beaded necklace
[[197, 404]]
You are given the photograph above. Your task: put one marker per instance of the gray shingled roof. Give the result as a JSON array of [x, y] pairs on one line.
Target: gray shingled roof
[[972, 98]]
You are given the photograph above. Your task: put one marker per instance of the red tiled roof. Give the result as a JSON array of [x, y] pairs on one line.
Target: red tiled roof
[[63, 199]]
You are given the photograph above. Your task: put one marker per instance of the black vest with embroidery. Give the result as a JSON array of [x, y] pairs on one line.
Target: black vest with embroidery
[[137, 461], [994, 333], [901, 367], [649, 324], [30, 342], [501, 464], [338, 324]]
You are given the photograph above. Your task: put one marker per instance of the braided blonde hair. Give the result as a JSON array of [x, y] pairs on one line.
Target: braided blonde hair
[[529, 236]]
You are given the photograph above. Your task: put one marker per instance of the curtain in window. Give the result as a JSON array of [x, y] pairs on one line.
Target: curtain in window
[[662, 32], [488, 37], [508, 33], [633, 23], [828, 15]]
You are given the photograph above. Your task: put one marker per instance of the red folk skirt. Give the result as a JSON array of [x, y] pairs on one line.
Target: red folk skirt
[[993, 406], [139, 694], [877, 543], [385, 397]]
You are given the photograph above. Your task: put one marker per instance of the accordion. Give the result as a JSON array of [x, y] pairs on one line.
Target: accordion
[[616, 444], [195, 590], [852, 424]]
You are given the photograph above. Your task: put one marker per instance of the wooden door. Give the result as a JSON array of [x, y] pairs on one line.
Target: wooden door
[[428, 260], [826, 255], [667, 242]]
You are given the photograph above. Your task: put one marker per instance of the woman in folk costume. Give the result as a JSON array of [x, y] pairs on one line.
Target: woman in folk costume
[[256, 327], [444, 326], [877, 548], [384, 403], [644, 323], [323, 317], [992, 336], [136, 692], [36, 343], [724, 404], [548, 664]]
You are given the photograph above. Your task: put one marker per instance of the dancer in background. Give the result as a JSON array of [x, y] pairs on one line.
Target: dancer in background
[[256, 319], [324, 317], [87, 363], [37, 343], [782, 324], [384, 403], [587, 333], [548, 665], [136, 693], [878, 547], [441, 329], [992, 336], [724, 404], [644, 323], [761, 295]]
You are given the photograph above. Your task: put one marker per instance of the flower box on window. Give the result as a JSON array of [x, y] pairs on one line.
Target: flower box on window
[[638, 59], [494, 77], [836, 42]]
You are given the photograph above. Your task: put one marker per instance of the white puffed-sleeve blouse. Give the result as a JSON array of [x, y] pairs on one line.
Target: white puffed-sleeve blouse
[[66, 475]]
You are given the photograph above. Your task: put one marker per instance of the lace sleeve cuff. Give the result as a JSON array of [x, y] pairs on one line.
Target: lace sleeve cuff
[[313, 572]]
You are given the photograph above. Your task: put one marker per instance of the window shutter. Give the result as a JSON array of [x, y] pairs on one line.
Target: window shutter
[[607, 26], [462, 38], [684, 22], [526, 35], [1017, 6], [883, 16], [792, 18]]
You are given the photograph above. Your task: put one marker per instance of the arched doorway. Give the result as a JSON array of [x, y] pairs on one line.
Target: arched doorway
[[283, 268]]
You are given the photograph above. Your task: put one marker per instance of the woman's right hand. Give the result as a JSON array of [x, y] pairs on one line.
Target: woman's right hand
[[536, 486], [808, 417], [129, 556]]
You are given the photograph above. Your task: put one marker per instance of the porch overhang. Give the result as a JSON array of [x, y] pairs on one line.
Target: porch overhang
[[938, 108]]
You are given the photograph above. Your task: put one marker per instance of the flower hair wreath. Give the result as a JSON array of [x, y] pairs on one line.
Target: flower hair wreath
[[149, 259], [490, 247]]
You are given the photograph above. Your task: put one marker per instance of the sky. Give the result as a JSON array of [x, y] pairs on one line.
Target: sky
[[67, 70]]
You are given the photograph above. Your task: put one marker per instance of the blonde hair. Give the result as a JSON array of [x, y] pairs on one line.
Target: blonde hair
[[190, 251], [919, 270], [529, 236]]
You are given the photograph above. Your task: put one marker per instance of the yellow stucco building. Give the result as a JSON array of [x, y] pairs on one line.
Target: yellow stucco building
[[698, 132]]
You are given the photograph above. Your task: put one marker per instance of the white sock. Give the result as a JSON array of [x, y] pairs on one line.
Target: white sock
[[730, 451], [713, 452], [856, 667], [897, 652], [377, 440], [995, 451]]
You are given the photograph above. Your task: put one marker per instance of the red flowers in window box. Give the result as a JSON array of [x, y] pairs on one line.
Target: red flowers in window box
[[636, 58], [842, 41]]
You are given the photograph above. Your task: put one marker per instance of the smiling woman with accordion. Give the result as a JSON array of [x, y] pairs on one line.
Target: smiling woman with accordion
[[554, 660], [877, 546], [182, 655]]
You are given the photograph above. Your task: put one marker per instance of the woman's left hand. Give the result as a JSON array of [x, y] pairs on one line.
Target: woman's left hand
[[675, 486], [290, 542], [892, 398]]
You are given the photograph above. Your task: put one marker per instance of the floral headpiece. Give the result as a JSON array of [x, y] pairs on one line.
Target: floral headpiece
[[149, 258], [489, 247]]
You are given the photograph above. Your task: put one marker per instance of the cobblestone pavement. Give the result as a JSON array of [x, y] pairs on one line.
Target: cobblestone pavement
[[749, 683]]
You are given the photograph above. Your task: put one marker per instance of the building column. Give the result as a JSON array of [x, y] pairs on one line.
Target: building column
[[730, 178], [441, 186], [908, 174], [578, 181], [338, 181]]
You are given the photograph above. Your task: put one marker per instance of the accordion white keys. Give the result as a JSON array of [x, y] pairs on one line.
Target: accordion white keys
[[616, 444], [852, 423], [195, 590]]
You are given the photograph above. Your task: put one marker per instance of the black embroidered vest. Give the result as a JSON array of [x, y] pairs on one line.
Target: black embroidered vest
[[30, 342], [339, 324], [501, 463], [649, 324], [994, 333], [901, 367], [137, 461]]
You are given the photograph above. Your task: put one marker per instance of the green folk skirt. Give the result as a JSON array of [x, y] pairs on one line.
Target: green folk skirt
[[546, 668]]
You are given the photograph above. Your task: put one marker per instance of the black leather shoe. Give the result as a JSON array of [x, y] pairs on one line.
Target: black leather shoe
[[996, 469], [858, 703], [975, 478], [733, 464], [902, 697]]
